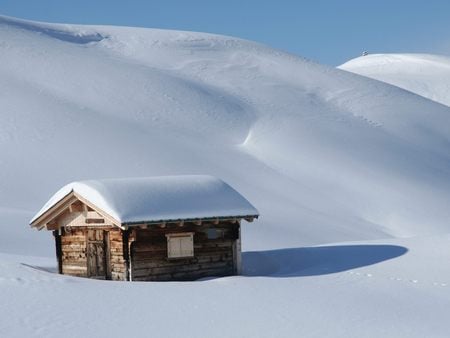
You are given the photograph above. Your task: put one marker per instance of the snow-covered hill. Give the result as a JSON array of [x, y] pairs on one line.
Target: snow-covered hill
[[423, 74], [325, 155]]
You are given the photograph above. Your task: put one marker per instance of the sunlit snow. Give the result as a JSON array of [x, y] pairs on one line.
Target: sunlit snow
[[350, 175]]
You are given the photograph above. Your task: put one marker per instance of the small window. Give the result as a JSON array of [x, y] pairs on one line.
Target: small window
[[213, 233], [180, 245]]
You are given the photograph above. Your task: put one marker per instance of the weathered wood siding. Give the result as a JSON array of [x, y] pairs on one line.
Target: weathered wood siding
[[117, 260], [78, 260], [104, 251], [212, 257], [73, 250]]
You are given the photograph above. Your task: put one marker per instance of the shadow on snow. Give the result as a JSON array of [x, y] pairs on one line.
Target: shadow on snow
[[302, 262], [314, 261]]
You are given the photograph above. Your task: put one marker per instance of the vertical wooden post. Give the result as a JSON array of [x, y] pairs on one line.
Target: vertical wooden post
[[107, 254], [239, 251], [126, 252], [237, 259], [58, 249]]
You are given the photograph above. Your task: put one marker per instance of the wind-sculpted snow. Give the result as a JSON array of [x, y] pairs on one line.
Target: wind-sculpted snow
[[423, 74], [63, 33], [325, 155]]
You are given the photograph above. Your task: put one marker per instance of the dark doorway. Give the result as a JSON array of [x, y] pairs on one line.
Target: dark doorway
[[96, 254]]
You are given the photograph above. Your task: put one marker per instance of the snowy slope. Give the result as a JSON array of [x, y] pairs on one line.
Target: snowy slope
[[315, 149], [325, 155], [423, 74]]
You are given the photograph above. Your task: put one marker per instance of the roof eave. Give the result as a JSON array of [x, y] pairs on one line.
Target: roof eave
[[203, 219], [37, 222]]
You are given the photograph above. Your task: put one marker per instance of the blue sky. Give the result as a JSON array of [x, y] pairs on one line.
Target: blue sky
[[329, 32]]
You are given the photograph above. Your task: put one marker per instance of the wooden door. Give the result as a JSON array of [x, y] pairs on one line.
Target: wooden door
[[96, 254]]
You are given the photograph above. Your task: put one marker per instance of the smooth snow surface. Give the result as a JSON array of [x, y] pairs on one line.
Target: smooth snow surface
[[423, 74], [389, 288], [161, 198], [326, 155]]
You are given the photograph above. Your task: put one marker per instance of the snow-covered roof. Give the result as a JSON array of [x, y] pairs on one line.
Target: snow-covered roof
[[163, 198]]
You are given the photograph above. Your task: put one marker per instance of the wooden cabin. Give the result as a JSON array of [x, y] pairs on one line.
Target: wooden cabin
[[147, 229]]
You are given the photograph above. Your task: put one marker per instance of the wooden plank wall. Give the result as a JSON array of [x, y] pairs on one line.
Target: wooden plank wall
[[148, 249], [117, 260], [212, 257], [73, 247], [74, 257]]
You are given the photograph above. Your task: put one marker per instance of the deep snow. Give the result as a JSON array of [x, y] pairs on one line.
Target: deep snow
[[159, 198], [396, 288], [325, 155], [423, 74]]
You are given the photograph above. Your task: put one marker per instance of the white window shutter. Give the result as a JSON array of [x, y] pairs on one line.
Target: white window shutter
[[180, 245]]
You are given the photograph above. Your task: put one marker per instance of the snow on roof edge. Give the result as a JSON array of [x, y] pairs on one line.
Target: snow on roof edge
[[159, 198]]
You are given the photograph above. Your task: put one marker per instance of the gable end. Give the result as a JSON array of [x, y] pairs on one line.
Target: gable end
[[64, 211]]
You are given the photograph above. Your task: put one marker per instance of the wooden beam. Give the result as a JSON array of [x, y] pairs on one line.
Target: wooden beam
[[107, 244], [54, 211], [58, 249], [100, 211], [52, 225]]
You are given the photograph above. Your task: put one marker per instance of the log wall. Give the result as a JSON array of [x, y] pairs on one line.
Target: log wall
[[74, 258], [143, 255], [117, 257], [73, 253], [212, 257]]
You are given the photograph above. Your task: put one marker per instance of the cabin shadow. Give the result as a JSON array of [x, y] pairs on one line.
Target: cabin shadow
[[315, 261]]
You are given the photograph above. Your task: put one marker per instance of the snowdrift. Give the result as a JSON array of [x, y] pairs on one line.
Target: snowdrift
[[325, 155], [424, 74]]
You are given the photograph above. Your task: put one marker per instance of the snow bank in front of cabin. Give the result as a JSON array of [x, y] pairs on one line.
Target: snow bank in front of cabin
[[391, 289], [161, 198]]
